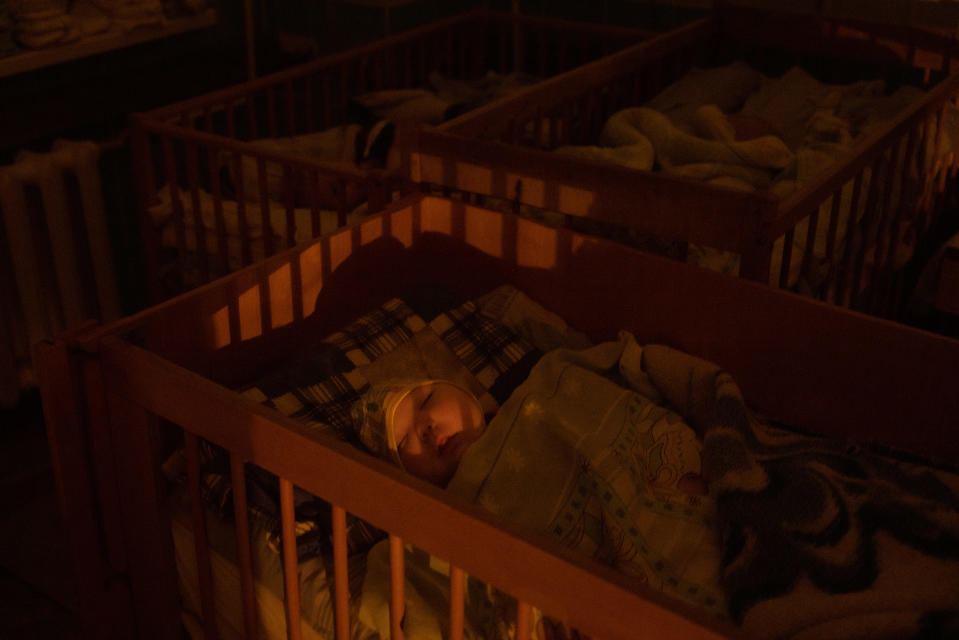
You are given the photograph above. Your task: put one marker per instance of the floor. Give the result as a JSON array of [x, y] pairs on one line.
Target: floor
[[37, 599]]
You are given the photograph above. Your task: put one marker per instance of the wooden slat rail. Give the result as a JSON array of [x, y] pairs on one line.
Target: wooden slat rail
[[341, 583], [821, 186], [734, 222], [568, 86], [397, 582], [244, 553], [595, 599], [291, 576], [201, 543], [397, 43]]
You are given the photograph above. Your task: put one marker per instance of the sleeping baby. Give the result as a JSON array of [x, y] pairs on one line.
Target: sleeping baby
[[424, 426]]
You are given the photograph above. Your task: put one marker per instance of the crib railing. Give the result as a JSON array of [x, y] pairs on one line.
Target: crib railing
[[316, 95]]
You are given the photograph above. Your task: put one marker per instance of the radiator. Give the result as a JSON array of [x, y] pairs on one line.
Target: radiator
[[56, 264]]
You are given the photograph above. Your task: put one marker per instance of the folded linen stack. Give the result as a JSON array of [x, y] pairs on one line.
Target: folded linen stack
[[129, 14], [43, 23]]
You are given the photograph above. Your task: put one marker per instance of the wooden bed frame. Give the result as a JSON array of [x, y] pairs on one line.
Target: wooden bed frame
[[178, 144], [492, 152], [112, 394]]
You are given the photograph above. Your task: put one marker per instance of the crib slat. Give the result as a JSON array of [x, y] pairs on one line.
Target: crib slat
[[291, 583], [907, 194], [845, 265], [243, 226], [563, 54], [875, 183], [883, 229], [177, 205], [308, 103], [230, 120], [397, 582], [362, 67], [244, 555], [543, 54], [344, 91], [289, 179], [222, 246], [810, 242], [341, 589], [201, 543], [327, 102], [457, 593], [833, 225], [339, 194], [932, 127], [316, 223], [251, 115], [199, 229], [407, 62], [786, 262], [524, 615], [271, 111], [290, 109], [264, 206]]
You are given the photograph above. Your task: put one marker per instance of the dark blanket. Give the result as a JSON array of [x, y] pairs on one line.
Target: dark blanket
[[821, 539]]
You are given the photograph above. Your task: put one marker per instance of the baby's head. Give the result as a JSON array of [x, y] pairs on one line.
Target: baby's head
[[425, 426]]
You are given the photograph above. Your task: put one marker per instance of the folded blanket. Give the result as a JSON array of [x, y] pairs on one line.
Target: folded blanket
[[606, 471], [821, 539]]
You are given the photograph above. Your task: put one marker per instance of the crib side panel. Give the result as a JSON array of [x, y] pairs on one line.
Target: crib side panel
[[795, 358], [103, 598]]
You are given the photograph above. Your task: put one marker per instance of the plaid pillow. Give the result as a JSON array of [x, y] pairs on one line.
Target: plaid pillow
[[321, 389]]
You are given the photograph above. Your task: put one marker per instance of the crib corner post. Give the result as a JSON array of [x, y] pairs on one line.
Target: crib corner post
[[146, 519], [104, 604], [757, 246], [144, 191]]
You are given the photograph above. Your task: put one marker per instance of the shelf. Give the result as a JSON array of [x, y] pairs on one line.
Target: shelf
[[114, 38]]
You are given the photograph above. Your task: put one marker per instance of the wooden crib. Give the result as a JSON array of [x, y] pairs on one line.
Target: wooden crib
[[185, 153], [115, 395], [504, 150]]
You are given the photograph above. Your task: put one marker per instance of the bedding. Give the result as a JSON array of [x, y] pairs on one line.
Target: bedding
[[733, 127], [797, 537], [488, 345]]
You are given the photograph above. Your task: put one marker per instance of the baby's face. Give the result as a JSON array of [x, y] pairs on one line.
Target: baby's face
[[433, 426]]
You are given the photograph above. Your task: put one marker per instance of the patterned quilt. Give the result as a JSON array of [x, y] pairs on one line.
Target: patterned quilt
[[425, 333]]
